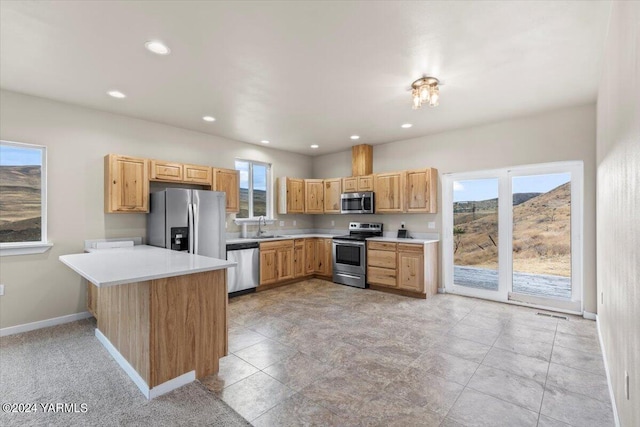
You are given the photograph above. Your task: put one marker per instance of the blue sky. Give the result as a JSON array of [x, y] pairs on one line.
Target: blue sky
[[19, 156], [484, 189], [259, 175]]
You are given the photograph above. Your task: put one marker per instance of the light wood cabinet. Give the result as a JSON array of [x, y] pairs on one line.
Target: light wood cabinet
[[299, 259], [228, 181], [165, 171], [92, 299], [309, 256], [411, 268], [389, 189], [276, 261], [323, 257], [381, 264], [194, 174], [314, 196], [421, 190], [126, 184], [332, 192], [354, 184], [290, 195]]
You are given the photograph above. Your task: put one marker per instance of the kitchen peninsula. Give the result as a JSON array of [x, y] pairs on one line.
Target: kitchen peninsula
[[161, 314]]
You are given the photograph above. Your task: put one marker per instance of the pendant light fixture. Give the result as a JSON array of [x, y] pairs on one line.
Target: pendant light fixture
[[425, 90]]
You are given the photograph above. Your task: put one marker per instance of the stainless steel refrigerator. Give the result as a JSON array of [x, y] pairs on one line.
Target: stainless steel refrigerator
[[188, 220]]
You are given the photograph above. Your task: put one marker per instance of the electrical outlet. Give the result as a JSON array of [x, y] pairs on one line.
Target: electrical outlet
[[281, 223], [1, 290], [294, 222], [431, 225], [626, 384], [333, 223]]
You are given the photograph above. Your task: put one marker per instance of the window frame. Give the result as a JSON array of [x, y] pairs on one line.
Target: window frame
[[269, 189], [42, 245]]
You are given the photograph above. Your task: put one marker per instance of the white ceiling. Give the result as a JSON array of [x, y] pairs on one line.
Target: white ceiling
[[301, 73]]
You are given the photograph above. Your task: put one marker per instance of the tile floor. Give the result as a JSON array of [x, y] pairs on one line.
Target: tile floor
[[316, 353]]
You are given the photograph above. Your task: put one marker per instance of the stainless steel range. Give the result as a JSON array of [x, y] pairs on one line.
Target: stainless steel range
[[350, 254]]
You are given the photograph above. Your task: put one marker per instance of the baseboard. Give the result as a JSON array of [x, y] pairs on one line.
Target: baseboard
[[606, 369], [12, 330], [149, 393], [588, 315]]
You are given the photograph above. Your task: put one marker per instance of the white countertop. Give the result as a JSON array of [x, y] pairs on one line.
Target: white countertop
[[282, 237], [110, 267], [400, 240]]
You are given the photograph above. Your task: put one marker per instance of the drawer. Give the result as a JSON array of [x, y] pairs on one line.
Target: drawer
[[384, 259], [298, 242], [382, 246], [276, 244], [410, 247], [382, 276]]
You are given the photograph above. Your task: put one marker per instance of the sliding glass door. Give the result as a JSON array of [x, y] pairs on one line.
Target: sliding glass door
[[514, 235]]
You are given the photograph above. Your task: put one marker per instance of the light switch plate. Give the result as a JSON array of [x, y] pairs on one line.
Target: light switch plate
[[333, 223], [281, 223], [294, 222], [431, 225]]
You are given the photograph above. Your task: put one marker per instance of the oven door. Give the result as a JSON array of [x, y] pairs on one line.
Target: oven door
[[349, 256]]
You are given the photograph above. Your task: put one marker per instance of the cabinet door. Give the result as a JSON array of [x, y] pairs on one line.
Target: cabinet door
[[228, 180], [332, 192], [313, 196], [389, 192], [309, 256], [382, 276], [365, 183], [299, 258], [285, 263], [350, 184], [321, 258], [197, 174], [421, 190], [295, 195], [165, 171], [411, 271], [328, 253], [268, 266], [126, 184]]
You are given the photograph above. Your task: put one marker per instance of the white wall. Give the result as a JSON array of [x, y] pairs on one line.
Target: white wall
[[560, 135], [618, 162], [40, 287]]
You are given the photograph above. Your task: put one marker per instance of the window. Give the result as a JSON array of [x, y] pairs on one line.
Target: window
[[23, 185], [255, 189]]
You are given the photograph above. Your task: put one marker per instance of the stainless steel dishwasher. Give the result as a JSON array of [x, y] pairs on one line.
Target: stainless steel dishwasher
[[245, 277]]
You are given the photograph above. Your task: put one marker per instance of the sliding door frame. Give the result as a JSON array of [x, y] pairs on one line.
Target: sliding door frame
[[505, 235]]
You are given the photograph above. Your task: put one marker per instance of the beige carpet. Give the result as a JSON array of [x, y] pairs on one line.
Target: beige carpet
[[67, 364]]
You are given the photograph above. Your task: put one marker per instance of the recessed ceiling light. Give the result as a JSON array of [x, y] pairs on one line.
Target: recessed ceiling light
[[355, 136], [157, 47], [315, 146], [209, 119], [264, 141], [406, 125], [117, 94]]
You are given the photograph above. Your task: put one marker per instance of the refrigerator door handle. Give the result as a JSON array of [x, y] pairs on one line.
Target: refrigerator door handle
[[196, 229], [191, 233]]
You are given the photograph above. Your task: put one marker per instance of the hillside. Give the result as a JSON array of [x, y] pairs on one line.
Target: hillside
[[541, 235], [20, 207]]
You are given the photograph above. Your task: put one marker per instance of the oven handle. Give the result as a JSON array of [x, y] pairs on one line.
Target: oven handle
[[350, 276], [348, 243]]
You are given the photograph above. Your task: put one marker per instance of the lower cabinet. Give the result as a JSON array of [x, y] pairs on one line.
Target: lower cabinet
[[284, 260], [408, 267]]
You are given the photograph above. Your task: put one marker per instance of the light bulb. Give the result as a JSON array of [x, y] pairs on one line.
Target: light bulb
[[435, 94], [424, 93], [416, 99]]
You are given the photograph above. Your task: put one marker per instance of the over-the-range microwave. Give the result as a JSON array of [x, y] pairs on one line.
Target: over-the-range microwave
[[357, 203]]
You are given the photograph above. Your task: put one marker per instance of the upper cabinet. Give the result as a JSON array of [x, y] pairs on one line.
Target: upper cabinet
[[354, 184], [126, 184], [228, 181], [389, 192], [314, 196], [421, 190], [290, 195], [165, 171], [198, 174], [332, 192]]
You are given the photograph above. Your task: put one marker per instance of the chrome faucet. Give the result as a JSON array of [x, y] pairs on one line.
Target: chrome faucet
[[260, 224]]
